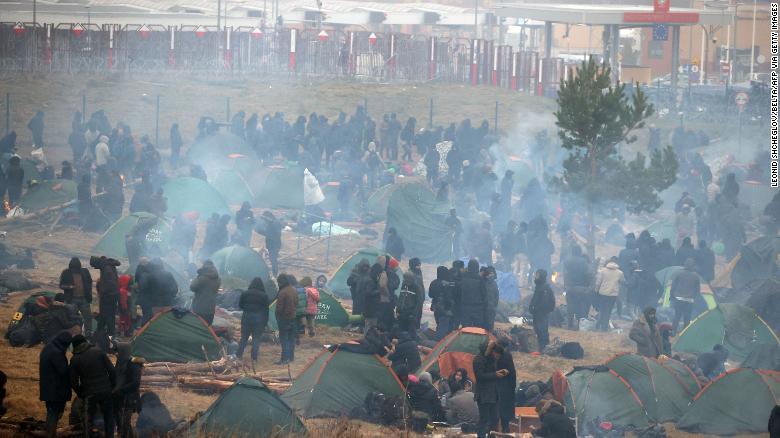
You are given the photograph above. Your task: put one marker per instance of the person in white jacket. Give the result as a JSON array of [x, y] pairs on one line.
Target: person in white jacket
[[609, 280]]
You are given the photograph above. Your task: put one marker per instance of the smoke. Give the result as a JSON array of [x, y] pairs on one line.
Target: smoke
[[518, 149]]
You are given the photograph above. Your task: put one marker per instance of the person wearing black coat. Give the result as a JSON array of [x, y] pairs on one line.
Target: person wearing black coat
[[442, 293], [14, 177], [93, 378], [394, 245], [157, 287], [108, 292], [472, 297], [356, 277], [685, 251], [542, 304], [54, 379], [487, 378], [577, 280], [506, 390], [127, 395], [254, 303], [369, 291], [404, 353], [555, 422], [76, 283], [273, 238], [424, 397], [705, 261]]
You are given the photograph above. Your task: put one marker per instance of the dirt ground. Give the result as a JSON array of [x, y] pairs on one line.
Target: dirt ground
[[183, 100]]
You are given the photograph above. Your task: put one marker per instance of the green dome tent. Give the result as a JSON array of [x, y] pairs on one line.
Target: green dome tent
[[338, 281], [233, 187], [763, 357], [176, 335], [664, 396], [223, 151], [336, 382], [419, 219], [599, 392], [250, 409], [735, 326], [736, 402], [112, 243], [46, 194], [377, 202], [684, 375], [330, 312], [186, 194], [239, 265], [463, 340], [277, 186]]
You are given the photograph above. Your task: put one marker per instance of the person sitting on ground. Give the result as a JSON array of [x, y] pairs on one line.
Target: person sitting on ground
[[460, 405], [154, 420], [555, 422], [424, 398], [712, 363], [404, 353]]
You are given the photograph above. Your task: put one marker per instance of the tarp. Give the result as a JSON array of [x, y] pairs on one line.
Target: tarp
[[112, 243], [599, 392], [338, 281], [757, 260], [736, 402], [176, 335], [376, 204], [735, 326], [278, 186], [667, 275], [312, 193], [46, 194], [186, 194], [663, 395], [222, 151], [763, 357], [419, 219], [337, 382], [239, 265], [330, 312], [233, 187], [250, 409], [464, 340]]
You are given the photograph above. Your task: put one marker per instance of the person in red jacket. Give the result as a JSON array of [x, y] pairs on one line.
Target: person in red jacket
[[312, 299], [126, 305]]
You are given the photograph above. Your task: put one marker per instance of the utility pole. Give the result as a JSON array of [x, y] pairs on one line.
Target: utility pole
[[476, 25], [219, 14], [35, 38], [753, 42]]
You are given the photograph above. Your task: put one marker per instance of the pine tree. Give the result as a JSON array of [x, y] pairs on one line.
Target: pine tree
[[594, 117]]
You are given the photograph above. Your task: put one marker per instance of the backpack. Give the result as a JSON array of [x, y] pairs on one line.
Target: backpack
[[407, 302], [572, 350]]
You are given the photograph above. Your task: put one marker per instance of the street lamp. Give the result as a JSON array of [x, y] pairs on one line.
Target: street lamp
[[753, 42]]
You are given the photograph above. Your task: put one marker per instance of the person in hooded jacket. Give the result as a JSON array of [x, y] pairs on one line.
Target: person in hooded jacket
[[609, 281], [286, 305], [356, 277], [488, 274], [555, 422], [127, 391], [506, 390], [424, 398], [245, 223], [93, 378], [157, 288], [76, 283], [254, 304], [370, 294], [409, 311], [54, 379], [646, 334], [705, 261], [404, 353], [205, 287], [472, 297], [273, 238], [685, 251], [577, 281], [312, 299], [394, 245], [686, 287], [442, 293], [108, 292], [541, 306], [488, 377]]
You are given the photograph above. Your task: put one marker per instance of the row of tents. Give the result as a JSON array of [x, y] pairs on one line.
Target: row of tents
[[626, 391]]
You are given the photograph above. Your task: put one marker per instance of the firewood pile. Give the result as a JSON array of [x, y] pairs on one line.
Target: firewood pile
[[214, 376]]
